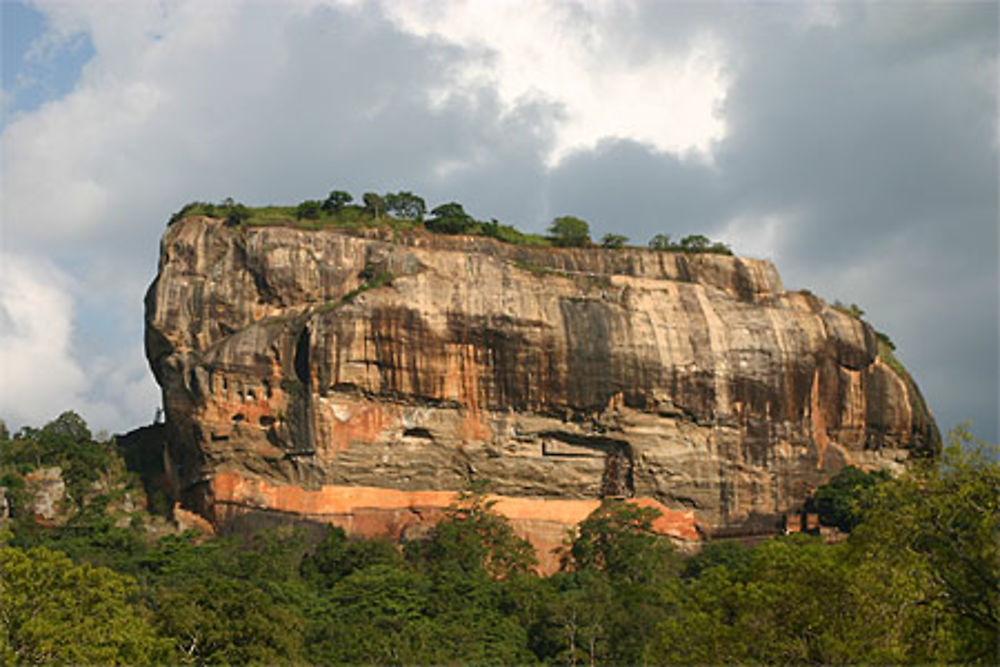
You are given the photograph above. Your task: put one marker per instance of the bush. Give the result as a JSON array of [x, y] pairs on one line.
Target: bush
[[660, 242], [337, 200], [840, 501], [405, 205], [309, 209], [569, 231], [613, 241], [450, 218], [374, 204]]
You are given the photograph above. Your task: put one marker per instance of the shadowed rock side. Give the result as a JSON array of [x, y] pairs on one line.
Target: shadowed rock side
[[306, 362]]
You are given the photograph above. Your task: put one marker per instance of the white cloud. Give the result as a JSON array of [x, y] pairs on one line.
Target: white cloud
[[40, 375], [43, 372], [669, 98]]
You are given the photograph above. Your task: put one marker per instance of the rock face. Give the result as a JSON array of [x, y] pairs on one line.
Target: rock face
[[363, 377]]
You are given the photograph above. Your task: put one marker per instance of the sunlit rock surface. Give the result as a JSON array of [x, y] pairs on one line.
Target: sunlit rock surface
[[364, 377]]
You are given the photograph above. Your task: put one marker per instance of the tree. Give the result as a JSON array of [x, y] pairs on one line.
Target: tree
[[53, 611], [838, 502], [337, 556], [661, 242], [720, 248], [618, 538], [309, 209], [237, 214], [450, 218], [405, 205], [68, 425], [223, 620], [933, 533], [336, 201], [374, 204], [569, 231], [695, 243], [613, 241], [473, 537], [793, 604]]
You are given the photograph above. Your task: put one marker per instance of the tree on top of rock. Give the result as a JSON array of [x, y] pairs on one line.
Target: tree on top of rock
[[569, 231]]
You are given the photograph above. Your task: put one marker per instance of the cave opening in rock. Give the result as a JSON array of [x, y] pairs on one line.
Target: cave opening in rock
[[301, 361]]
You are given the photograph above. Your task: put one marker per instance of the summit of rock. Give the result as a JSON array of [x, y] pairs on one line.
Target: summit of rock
[[364, 377]]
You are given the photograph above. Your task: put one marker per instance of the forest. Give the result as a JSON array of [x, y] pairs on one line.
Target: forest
[[105, 577]]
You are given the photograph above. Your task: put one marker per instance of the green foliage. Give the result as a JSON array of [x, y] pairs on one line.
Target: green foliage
[[65, 442], [917, 581], [885, 340], [336, 201], [405, 205], [694, 243], [237, 214], [337, 557], [840, 501], [661, 242], [886, 352], [734, 557], [787, 607], [613, 241], [472, 537], [374, 204], [569, 231], [405, 210], [932, 534], [853, 310], [450, 218], [618, 539], [508, 234], [223, 620], [52, 611], [309, 209]]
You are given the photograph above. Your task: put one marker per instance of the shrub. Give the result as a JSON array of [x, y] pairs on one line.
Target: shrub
[[337, 200], [309, 209], [613, 241], [569, 231], [450, 218], [660, 242]]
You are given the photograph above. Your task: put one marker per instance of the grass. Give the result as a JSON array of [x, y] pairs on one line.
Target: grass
[[358, 217], [379, 279], [888, 356]]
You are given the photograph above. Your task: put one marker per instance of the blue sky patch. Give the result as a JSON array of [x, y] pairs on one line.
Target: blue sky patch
[[35, 72]]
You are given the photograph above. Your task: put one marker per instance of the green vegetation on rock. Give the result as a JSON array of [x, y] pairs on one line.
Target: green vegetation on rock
[[405, 211]]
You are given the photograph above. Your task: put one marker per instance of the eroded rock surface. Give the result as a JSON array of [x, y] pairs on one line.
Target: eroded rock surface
[[301, 367]]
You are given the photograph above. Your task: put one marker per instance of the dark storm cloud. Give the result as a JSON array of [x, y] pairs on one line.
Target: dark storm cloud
[[626, 185], [874, 137]]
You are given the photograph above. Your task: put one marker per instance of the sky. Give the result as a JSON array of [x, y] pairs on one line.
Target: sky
[[853, 144]]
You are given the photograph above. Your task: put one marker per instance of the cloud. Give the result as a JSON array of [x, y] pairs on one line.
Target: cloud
[[43, 372], [666, 97], [40, 374], [855, 144]]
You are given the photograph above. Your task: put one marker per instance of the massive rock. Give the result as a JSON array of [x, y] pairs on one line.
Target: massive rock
[[362, 377]]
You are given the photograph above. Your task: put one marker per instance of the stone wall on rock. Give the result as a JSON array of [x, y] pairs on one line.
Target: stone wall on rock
[[301, 361]]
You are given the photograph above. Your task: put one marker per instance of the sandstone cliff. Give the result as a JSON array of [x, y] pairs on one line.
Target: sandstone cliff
[[362, 377]]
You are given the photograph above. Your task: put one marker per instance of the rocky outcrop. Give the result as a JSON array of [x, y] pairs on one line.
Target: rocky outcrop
[[45, 493], [363, 377]]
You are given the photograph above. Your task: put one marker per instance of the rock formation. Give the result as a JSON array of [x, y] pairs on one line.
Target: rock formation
[[362, 377]]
